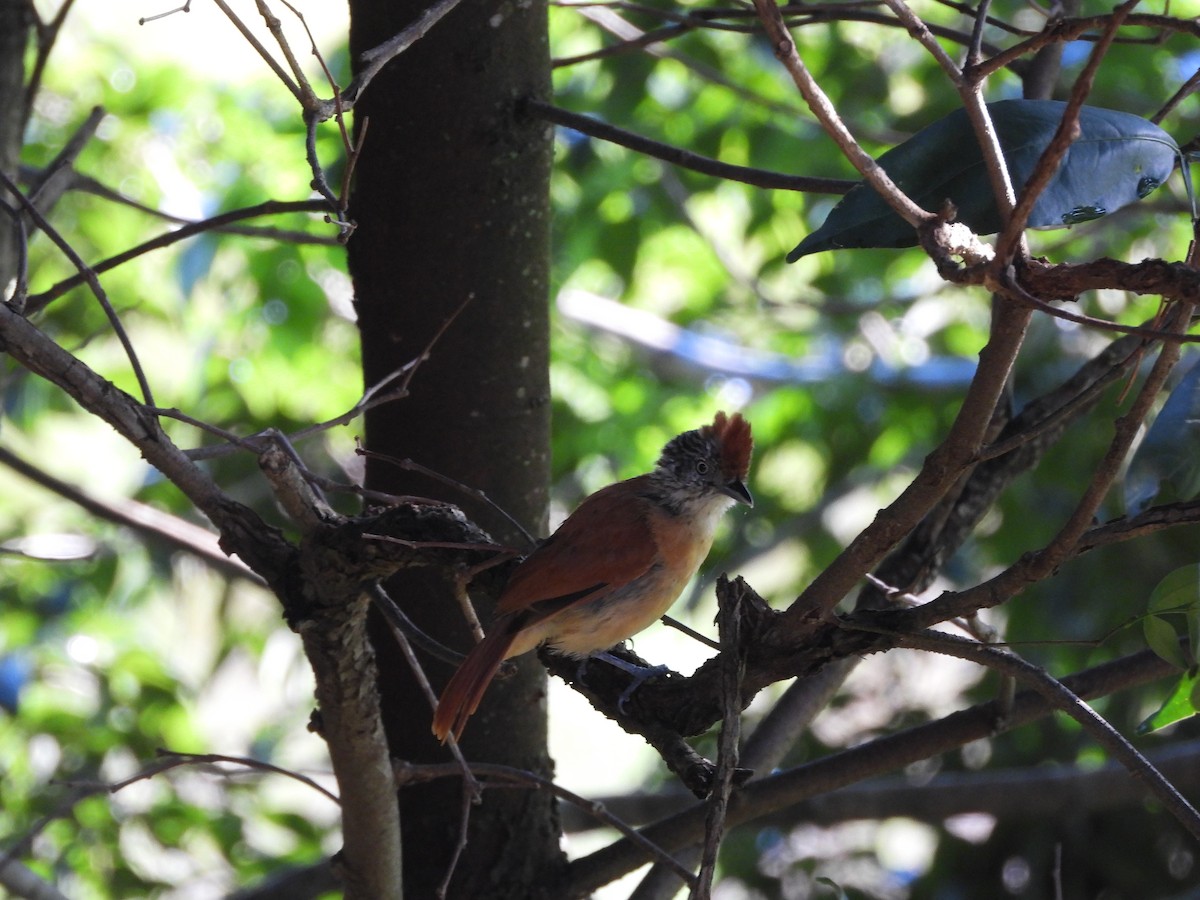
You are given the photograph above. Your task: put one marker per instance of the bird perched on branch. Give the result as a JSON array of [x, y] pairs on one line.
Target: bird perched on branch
[[615, 565]]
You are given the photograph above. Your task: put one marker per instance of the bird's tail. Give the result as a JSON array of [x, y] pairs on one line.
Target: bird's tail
[[462, 693]]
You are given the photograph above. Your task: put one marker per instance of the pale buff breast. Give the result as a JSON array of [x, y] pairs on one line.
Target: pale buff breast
[[683, 542]]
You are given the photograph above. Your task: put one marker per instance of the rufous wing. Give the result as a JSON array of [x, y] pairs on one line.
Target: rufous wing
[[605, 544]]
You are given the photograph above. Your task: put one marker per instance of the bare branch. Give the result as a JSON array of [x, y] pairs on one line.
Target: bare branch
[[1009, 243], [941, 469], [733, 666], [307, 96], [684, 158], [378, 57], [38, 302], [1186, 90], [89, 275], [254, 42], [1037, 565], [146, 520], [819, 102], [886, 754], [1063, 699], [47, 37]]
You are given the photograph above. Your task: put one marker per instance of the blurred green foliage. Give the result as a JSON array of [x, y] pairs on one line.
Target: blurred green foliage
[[132, 648]]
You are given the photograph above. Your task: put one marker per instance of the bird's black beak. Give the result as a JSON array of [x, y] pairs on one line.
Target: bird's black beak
[[738, 492]]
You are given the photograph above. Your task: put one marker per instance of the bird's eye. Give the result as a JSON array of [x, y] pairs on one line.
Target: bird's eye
[[701, 467]]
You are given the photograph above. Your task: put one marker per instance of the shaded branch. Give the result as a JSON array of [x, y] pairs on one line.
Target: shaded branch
[[822, 107], [242, 531], [147, 520], [38, 302], [1066, 701], [684, 158], [1036, 791], [887, 754]]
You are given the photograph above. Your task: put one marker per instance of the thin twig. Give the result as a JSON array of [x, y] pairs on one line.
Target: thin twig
[[167, 760], [398, 619], [472, 791], [320, 183], [941, 470], [51, 182], [176, 758], [47, 37], [819, 102], [920, 31], [185, 8], [1187, 89], [254, 42], [1008, 243], [308, 96], [1070, 29], [684, 158], [407, 773], [39, 301], [690, 632], [93, 282], [142, 518], [733, 663], [409, 465], [970, 90], [975, 48], [1063, 699], [1037, 565], [374, 396], [89, 185], [377, 57]]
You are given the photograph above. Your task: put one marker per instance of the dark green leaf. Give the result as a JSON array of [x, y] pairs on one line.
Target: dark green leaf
[[1178, 591], [1117, 159], [1169, 456], [1161, 638]]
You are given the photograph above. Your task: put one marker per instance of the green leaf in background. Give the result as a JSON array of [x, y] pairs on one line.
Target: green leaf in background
[[1169, 455], [1178, 592], [1118, 158], [1179, 706], [1161, 638]]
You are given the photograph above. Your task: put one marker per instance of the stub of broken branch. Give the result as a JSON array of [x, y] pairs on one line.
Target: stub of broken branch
[[960, 256]]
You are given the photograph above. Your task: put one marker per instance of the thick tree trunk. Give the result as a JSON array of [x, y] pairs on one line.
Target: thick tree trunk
[[16, 20], [451, 203]]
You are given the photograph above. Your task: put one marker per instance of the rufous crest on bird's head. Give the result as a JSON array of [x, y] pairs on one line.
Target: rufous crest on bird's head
[[733, 434], [708, 462]]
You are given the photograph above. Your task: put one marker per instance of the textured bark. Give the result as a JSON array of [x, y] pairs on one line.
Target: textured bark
[[16, 18], [451, 204]]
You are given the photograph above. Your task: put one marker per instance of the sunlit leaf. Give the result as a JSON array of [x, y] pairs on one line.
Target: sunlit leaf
[[1180, 705]]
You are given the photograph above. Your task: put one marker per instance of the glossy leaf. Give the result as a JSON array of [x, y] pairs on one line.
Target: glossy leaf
[[1168, 459], [1178, 591], [1177, 707], [1117, 159]]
